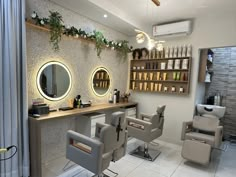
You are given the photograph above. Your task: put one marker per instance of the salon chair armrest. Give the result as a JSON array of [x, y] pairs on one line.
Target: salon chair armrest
[[144, 116], [187, 127], [85, 151], [139, 124], [218, 136], [84, 144]]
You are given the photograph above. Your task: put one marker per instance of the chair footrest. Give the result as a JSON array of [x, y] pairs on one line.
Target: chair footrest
[[196, 151], [149, 154]]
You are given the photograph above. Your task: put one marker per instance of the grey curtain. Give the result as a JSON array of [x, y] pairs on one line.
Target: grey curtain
[[13, 88]]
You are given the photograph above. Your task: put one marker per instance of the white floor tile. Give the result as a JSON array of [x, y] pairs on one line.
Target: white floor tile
[[227, 161], [142, 171], [134, 160], [58, 164], [189, 169], [168, 164], [47, 173], [123, 167]]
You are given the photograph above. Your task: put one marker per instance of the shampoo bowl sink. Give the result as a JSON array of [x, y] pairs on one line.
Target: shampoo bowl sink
[[211, 110]]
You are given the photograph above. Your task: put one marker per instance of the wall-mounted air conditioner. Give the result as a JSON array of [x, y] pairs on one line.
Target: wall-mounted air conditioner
[[173, 29]]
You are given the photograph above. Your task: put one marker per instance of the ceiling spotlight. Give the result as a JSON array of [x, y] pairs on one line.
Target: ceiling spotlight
[[105, 15]]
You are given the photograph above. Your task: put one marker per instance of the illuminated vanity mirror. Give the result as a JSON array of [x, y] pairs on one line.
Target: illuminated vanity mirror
[[101, 81], [54, 80]]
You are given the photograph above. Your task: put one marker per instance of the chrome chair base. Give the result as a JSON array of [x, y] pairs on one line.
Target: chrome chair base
[[145, 153]]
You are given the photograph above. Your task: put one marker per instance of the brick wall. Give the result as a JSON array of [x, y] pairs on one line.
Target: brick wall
[[224, 82]]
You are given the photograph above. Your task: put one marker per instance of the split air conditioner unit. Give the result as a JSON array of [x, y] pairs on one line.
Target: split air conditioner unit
[[173, 29]]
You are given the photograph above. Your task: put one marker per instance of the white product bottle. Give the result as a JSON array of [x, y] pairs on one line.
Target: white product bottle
[[166, 52], [179, 51], [114, 99], [175, 52], [185, 64], [184, 51], [189, 51], [171, 52], [114, 96], [177, 64]]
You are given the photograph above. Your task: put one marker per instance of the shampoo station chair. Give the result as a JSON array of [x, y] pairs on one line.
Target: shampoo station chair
[[95, 154], [146, 128], [200, 136]]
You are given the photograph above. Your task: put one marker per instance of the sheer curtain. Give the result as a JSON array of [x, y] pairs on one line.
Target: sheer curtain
[[13, 88]]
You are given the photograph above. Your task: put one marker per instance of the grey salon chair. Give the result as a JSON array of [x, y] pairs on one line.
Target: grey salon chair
[[95, 154], [200, 136], [146, 128]]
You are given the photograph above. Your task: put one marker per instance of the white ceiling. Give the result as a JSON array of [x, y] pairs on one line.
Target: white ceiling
[[125, 15]]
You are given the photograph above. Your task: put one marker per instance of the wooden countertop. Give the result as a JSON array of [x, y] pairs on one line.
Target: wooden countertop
[[79, 111]]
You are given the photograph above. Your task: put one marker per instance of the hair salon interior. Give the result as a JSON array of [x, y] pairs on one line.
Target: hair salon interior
[[118, 88]]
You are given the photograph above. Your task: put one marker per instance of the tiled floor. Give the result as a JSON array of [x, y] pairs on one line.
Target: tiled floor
[[168, 164]]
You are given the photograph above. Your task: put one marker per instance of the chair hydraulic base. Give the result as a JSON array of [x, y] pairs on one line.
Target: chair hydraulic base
[[145, 153], [105, 175], [102, 175]]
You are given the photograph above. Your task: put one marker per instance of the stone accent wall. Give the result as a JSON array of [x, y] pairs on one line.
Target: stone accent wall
[[224, 82]]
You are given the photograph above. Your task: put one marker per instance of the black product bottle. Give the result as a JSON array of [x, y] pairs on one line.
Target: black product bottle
[[118, 96], [156, 65], [153, 65], [75, 103], [78, 101]]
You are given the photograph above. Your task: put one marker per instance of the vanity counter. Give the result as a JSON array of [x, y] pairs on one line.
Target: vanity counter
[[86, 110], [48, 132]]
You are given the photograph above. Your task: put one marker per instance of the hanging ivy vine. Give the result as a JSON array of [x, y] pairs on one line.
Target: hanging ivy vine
[[57, 28], [99, 42]]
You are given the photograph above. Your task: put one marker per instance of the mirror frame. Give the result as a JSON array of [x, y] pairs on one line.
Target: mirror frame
[[38, 80], [109, 88]]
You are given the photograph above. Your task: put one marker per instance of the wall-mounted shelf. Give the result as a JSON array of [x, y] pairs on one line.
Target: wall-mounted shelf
[[205, 67], [162, 92], [149, 75], [161, 70], [173, 81], [101, 87], [155, 59], [101, 83], [101, 79], [32, 24]]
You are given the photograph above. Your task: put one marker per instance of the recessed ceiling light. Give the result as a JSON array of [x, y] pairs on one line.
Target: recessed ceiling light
[[105, 15]]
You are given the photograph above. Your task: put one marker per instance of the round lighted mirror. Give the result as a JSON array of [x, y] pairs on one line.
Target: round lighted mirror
[[54, 80], [101, 81]]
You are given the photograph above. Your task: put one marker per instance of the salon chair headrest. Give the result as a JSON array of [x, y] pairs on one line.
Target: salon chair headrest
[[117, 118], [161, 109]]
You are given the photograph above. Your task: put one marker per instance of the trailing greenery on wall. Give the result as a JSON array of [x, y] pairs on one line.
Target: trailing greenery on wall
[[57, 28]]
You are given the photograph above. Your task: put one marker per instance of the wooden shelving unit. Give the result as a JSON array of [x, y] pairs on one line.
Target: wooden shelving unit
[[205, 66], [147, 75]]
